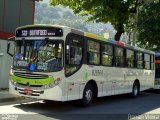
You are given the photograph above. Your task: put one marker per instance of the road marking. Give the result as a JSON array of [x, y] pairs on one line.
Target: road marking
[[13, 109]]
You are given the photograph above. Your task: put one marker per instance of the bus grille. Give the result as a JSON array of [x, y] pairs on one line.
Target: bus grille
[[34, 92], [30, 85], [30, 75]]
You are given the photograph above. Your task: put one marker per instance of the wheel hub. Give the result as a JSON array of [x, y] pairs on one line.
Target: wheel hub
[[88, 95], [135, 90]]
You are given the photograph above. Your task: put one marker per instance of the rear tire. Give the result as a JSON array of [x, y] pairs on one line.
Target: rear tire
[[135, 90], [87, 95]]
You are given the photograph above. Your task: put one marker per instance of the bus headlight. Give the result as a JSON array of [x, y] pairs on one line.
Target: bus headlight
[[11, 72], [51, 85], [56, 82], [14, 83]]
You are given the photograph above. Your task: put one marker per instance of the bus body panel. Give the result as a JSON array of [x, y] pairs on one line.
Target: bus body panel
[[109, 81]]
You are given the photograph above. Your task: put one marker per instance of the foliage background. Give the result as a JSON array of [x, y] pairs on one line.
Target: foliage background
[[46, 14]]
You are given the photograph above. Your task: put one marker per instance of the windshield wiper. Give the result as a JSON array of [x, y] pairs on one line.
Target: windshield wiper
[[42, 44]]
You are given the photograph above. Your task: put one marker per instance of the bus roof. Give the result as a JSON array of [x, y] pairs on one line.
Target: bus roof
[[40, 25], [90, 35]]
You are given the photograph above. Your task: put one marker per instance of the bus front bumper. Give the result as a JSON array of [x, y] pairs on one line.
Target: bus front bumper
[[54, 93]]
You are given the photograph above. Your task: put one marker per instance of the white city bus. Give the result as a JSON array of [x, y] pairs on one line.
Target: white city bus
[[61, 64]]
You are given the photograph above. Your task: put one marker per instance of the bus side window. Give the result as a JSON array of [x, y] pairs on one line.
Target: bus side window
[[107, 54], [119, 56], [139, 58], [152, 62], [129, 58], [147, 61], [93, 52]]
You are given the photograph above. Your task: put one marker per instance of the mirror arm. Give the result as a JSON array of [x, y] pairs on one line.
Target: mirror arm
[[8, 45], [10, 54]]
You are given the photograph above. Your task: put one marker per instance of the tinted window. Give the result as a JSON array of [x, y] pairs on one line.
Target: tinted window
[[107, 54], [93, 52], [119, 56], [130, 58], [147, 61], [139, 57], [152, 62], [74, 53]]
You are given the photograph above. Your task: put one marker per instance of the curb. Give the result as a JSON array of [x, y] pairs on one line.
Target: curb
[[11, 99], [5, 96]]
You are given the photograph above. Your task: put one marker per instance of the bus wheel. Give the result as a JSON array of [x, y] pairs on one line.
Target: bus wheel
[[87, 95], [135, 89]]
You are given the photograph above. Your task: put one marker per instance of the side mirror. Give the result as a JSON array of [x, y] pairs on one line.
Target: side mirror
[[8, 48], [9, 44]]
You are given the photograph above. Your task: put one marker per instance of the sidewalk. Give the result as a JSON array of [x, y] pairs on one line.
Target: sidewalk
[[5, 96]]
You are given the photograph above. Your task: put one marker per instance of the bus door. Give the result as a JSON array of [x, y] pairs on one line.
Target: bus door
[[157, 72], [73, 62]]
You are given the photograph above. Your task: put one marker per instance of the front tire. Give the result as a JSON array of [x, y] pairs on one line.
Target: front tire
[[87, 95], [135, 90]]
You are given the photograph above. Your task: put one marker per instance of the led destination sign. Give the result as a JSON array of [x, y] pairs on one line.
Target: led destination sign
[[35, 32]]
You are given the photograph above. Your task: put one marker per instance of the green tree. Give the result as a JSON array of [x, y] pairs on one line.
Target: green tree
[[149, 26], [45, 14], [115, 11]]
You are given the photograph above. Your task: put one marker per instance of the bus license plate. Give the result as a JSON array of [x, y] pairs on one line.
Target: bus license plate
[[28, 91]]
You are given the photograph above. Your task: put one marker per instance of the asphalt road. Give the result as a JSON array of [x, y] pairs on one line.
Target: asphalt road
[[107, 108]]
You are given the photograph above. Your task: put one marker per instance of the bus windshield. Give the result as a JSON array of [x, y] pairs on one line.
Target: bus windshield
[[38, 55]]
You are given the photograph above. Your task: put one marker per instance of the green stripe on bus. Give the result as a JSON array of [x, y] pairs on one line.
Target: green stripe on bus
[[32, 81], [101, 38], [95, 36]]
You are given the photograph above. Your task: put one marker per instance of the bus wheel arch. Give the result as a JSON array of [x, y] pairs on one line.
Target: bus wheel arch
[[89, 93], [136, 88]]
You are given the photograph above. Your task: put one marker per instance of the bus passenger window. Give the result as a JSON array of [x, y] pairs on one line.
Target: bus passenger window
[[93, 52], [152, 62], [119, 57], [130, 58], [139, 60], [147, 61], [107, 55]]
